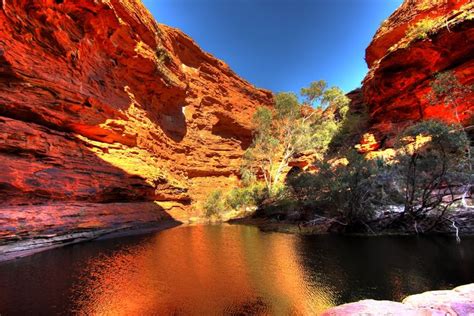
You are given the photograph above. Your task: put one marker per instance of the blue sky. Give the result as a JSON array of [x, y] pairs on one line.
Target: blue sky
[[282, 45]]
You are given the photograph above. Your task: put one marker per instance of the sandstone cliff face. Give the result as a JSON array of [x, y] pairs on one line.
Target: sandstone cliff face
[[100, 104], [416, 42]]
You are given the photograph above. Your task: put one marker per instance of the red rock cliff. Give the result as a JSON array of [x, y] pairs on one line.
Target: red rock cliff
[[103, 112], [417, 41]]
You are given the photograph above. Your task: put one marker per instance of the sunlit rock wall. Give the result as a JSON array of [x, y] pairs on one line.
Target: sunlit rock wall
[[100, 104], [402, 65]]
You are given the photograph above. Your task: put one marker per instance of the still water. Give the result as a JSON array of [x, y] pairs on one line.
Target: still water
[[232, 270]]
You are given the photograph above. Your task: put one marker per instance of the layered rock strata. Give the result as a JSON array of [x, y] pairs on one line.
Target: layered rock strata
[[99, 105], [419, 40]]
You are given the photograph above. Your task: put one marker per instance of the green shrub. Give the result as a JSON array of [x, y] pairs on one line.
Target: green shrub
[[238, 198], [281, 208], [351, 130], [218, 203], [350, 193], [422, 29], [163, 55], [432, 166], [215, 204], [251, 195]]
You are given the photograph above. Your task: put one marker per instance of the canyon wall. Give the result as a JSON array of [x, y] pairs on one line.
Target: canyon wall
[[420, 39], [109, 119]]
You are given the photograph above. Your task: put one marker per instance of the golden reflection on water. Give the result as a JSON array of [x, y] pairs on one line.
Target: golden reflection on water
[[205, 271]]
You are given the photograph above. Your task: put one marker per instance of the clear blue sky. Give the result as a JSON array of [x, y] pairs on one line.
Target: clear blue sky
[[282, 45]]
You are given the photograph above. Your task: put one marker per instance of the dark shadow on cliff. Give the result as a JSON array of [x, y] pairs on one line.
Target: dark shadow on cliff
[[60, 187], [353, 126], [228, 128], [173, 123]]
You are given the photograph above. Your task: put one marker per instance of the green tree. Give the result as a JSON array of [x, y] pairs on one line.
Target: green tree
[[432, 170], [348, 193], [279, 134], [287, 129], [215, 204], [318, 91], [314, 92], [337, 99], [327, 125]]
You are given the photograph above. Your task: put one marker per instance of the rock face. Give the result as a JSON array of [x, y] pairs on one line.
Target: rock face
[[100, 104], [459, 301], [416, 42]]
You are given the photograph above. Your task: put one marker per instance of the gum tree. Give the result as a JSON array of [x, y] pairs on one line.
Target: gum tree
[[288, 129]]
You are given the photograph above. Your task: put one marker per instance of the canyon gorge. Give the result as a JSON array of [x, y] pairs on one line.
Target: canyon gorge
[[112, 121]]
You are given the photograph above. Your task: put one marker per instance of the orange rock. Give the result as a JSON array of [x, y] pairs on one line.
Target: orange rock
[[100, 103], [367, 144], [404, 57], [305, 160]]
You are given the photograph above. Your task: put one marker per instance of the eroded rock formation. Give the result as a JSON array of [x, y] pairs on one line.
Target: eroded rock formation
[[100, 104], [456, 302], [419, 40]]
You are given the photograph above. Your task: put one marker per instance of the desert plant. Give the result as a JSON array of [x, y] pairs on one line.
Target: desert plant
[[349, 192], [251, 195], [215, 204], [446, 89], [422, 29], [163, 55], [287, 129], [351, 129], [279, 134], [314, 92], [432, 167]]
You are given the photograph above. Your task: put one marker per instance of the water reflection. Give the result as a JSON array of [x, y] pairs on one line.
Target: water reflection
[[233, 270], [202, 270]]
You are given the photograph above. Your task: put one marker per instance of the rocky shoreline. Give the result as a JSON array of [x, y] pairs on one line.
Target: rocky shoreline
[[28, 247], [458, 301], [463, 219], [41, 242]]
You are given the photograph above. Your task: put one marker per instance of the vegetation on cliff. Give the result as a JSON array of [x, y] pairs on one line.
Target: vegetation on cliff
[[281, 132], [427, 174], [415, 190]]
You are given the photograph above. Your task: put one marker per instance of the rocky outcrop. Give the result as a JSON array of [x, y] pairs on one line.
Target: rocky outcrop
[[100, 104], [419, 40], [459, 301]]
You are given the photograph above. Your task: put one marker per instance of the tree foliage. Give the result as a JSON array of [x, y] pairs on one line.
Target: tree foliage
[[287, 129], [215, 204], [349, 191], [219, 203], [279, 134], [429, 174], [314, 92], [432, 168]]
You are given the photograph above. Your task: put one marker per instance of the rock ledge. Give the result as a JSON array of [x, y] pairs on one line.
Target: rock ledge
[[458, 301]]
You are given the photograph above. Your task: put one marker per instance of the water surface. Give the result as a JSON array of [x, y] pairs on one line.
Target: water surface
[[232, 270]]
